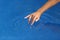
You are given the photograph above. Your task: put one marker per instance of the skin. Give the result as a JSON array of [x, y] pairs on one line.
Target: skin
[[34, 17]]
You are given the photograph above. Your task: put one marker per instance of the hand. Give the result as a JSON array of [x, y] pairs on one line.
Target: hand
[[34, 17]]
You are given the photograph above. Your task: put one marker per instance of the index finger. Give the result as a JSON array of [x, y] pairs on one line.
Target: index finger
[[33, 20], [26, 16]]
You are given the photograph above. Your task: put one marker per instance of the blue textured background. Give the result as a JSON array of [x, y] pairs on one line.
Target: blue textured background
[[13, 26]]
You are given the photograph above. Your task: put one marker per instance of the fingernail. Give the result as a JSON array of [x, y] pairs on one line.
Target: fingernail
[[32, 24], [24, 17], [36, 20]]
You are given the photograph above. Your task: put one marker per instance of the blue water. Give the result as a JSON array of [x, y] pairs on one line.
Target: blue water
[[13, 26]]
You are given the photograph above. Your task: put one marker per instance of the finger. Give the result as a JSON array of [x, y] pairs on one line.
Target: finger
[[33, 20], [37, 19], [29, 18], [26, 16]]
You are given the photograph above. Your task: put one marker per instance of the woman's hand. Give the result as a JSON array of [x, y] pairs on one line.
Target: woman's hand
[[34, 17]]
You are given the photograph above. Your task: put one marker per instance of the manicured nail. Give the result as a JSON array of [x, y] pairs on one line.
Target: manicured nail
[[25, 17], [36, 20]]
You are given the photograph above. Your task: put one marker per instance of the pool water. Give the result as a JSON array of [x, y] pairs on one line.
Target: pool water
[[13, 26]]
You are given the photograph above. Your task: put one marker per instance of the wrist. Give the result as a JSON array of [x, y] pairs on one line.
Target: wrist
[[39, 12]]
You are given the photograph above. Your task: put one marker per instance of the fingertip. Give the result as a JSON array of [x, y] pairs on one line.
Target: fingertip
[[25, 17], [37, 19], [32, 23]]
